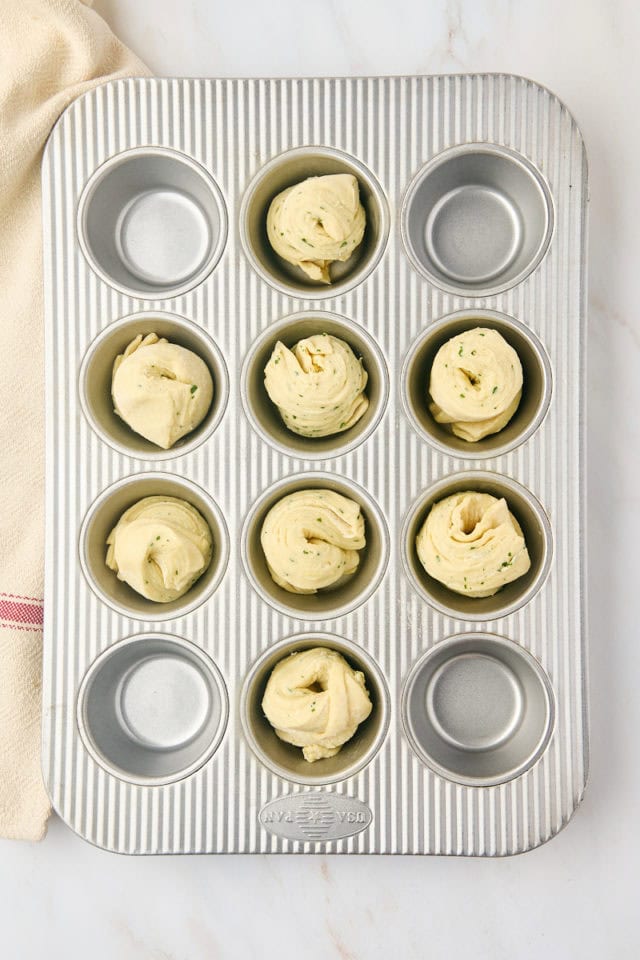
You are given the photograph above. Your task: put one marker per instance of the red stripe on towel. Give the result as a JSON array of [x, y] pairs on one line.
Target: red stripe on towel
[[16, 611]]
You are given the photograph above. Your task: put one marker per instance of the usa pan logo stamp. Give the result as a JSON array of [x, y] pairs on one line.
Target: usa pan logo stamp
[[317, 817]]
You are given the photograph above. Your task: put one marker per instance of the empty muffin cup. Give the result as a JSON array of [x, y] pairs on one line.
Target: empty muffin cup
[[152, 223], [334, 601], [102, 517], [536, 387], [291, 168], [536, 530], [152, 709], [263, 413], [285, 759], [96, 374], [477, 219], [478, 709]]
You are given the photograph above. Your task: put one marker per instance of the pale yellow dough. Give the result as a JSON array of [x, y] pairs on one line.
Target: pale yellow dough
[[162, 390], [316, 701], [160, 546], [318, 385], [316, 222], [473, 544], [476, 383], [311, 540]]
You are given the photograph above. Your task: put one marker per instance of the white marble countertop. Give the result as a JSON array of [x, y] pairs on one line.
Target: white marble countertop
[[577, 896]]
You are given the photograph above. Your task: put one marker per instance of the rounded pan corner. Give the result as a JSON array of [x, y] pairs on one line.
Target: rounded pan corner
[[544, 841], [543, 88], [74, 105]]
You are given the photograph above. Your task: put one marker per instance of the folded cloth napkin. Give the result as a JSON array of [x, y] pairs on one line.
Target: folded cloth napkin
[[50, 52]]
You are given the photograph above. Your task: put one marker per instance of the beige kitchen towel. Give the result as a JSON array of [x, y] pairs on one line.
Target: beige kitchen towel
[[50, 52]]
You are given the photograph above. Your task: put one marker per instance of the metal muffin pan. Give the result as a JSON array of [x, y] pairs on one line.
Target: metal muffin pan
[[155, 198]]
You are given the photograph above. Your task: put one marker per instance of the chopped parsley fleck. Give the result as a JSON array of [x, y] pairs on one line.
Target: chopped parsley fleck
[[460, 350], [494, 390], [194, 387]]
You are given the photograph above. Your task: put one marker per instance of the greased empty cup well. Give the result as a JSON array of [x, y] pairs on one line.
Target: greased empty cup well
[[103, 515], [96, 374], [536, 529], [152, 709], [284, 171], [263, 413], [536, 387], [332, 602], [478, 709], [477, 219], [152, 223], [286, 760]]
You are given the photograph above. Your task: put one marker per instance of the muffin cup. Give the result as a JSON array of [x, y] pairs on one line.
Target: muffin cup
[[478, 709], [536, 388], [263, 413], [102, 517], [96, 374], [477, 220], [286, 760], [152, 709], [536, 529], [284, 171], [152, 223], [332, 602]]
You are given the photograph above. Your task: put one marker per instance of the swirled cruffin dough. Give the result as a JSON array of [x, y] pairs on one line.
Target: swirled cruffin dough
[[476, 383], [473, 544], [160, 546], [318, 386], [315, 700], [316, 222], [160, 389], [311, 540]]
